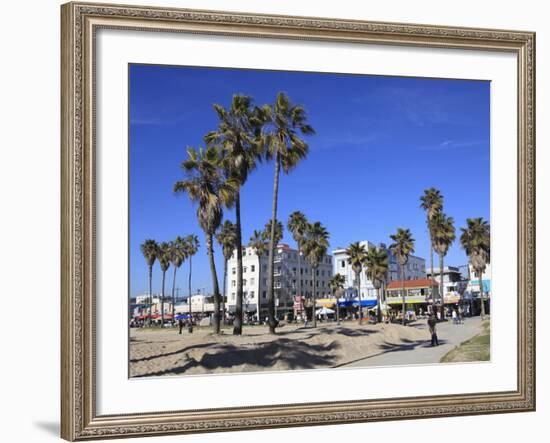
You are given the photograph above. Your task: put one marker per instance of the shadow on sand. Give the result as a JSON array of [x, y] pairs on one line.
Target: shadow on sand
[[406, 345], [296, 354]]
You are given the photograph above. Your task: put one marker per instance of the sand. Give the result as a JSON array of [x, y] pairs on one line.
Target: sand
[[166, 353]]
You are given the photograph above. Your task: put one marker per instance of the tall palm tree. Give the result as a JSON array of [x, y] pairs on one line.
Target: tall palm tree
[[356, 258], [283, 123], [207, 186], [336, 284], [402, 247], [237, 136], [177, 257], [432, 202], [259, 244], [227, 238], [150, 249], [165, 254], [476, 241], [297, 224], [376, 262], [443, 237], [191, 247], [315, 245]]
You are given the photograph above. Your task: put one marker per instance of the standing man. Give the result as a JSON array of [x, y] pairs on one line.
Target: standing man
[[180, 324], [431, 324]]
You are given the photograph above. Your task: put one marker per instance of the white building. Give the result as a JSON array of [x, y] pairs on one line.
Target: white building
[[415, 269], [453, 282], [285, 280]]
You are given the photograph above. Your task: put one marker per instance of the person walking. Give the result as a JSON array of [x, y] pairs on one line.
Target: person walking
[[455, 317], [432, 321], [180, 324]]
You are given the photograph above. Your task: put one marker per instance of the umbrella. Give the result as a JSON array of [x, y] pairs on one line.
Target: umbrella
[[324, 311]]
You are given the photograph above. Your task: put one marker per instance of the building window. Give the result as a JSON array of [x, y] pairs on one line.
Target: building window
[[244, 282], [251, 294], [244, 268], [252, 281], [264, 294], [342, 263], [233, 283], [232, 296], [233, 271], [252, 268]]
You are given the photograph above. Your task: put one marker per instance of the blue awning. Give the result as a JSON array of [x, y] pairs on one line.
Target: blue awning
[[364, 303]]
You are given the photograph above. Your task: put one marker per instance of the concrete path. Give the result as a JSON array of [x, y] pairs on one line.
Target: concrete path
[[420, 351]]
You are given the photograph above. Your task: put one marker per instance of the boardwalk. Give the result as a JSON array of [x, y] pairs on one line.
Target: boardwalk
[[420, 351]]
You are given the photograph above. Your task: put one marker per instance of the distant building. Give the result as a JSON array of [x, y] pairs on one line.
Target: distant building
[[417, 294], [285, 281], [454, 284], [415, 269]]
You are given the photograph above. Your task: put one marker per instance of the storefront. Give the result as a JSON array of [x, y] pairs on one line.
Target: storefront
[[417, 295]]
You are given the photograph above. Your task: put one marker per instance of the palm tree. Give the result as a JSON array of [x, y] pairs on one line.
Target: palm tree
[[315, 245], [227, 238], [150, 249], [259, 244], [297, 224], [402, 247], [432, 202], [278, 233], [476, 241], [207, 186], [177, 257], [165, 254], [356, 258], [237, 136], [443, 237], [376, 262], [191, 246], [336, 284], [283, 122]]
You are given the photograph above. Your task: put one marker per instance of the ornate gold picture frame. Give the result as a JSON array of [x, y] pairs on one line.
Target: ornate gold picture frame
[[80, 22]]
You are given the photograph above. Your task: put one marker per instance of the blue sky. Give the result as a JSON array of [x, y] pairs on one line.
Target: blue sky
[[379, 142]]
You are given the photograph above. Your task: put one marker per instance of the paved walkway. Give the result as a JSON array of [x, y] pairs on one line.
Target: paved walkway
[[420, 351]]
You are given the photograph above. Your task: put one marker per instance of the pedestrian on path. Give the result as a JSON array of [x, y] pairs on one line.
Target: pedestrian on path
[[180, 324], [431, 324]]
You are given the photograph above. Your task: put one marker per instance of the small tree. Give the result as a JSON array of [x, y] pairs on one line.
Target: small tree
[[402, 247], [315, 247]]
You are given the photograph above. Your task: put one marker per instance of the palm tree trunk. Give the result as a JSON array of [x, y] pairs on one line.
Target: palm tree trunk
[[441, 288], [190, 294], [403, 292], [314, 315], [224, 295], [432, 274], [358, 278], [337, 307], [378, 301], [174, 293], [150, 295], [481, 295], [215, 287], [238, 322], [298, 279], [271, 257], [162, 301]]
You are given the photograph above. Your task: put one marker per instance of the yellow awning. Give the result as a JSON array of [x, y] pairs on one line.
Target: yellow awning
[[325, 302]]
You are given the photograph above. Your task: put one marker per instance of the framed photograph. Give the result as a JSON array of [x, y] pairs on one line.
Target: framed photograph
[[275, 221]]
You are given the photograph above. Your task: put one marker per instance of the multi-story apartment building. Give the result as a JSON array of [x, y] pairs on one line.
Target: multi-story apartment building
[[414, 270], [285, 280], [454, 284]]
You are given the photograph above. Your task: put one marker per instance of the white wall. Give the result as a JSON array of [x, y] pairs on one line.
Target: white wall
[[29, 183]]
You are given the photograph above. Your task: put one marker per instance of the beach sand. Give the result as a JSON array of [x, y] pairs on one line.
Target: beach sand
[[166, 353]]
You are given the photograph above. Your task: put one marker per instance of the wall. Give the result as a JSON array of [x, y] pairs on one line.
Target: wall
[[29, 180]]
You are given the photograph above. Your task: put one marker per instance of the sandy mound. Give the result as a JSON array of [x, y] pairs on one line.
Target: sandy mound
[[162, 353]]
